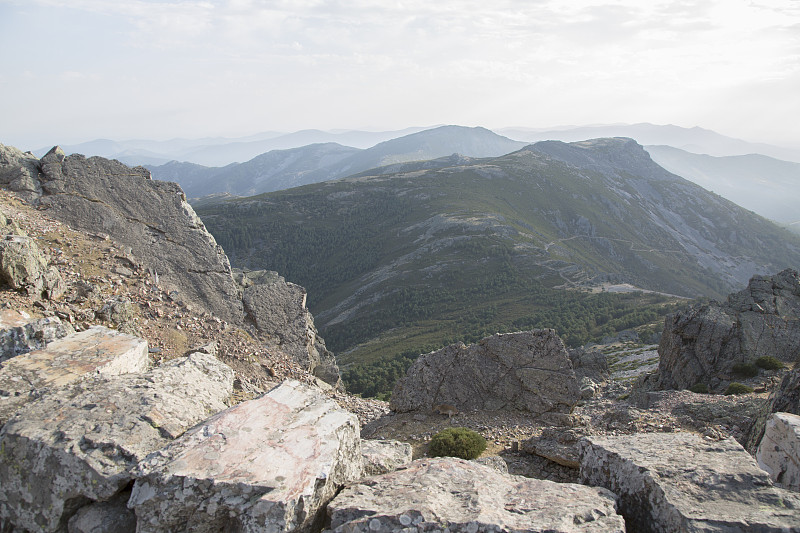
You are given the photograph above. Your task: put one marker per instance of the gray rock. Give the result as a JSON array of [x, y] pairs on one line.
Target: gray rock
[[558, 444], [19, 172], [779, 451], [269, 464], [150, 217], [112, 516], [80, 444], [19, 333], [784, 399], [24, 267], [98, 350], [278, 309], [463, 496], [701, 345], [493, 461], [683, 482], [527, 371], [590, 364], [383, 456]]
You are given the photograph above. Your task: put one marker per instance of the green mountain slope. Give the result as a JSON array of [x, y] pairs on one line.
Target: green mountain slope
[[407, 261]]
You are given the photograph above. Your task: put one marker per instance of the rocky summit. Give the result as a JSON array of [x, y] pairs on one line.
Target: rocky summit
[[705, 344], [130, 403]]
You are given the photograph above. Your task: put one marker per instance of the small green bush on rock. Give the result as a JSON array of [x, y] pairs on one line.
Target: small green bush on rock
[[747, 370], [699, 388], [737, 388], [767, 362], [457, 442]]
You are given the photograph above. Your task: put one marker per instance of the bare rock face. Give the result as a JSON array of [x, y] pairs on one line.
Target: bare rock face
[[112, 516], [24, 267], [784, 399], [19, 333], [384, 456], [79, 444], [96, 351], [19, 172], [269, 464], [683, 482], [151, 217], [526, 371], [779, 451], [463, 496], [278, 308], [702, 345], [557, 444]]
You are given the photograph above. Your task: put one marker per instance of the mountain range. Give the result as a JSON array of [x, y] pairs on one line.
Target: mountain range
[[416, 257], [283, 169]]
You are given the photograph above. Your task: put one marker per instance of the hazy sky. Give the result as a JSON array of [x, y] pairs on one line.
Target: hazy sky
[[75, 70]]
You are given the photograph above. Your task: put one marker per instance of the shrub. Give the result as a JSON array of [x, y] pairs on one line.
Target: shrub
[[737, 388], [457, 442], [767, 362], [747, 370], [700, 388]]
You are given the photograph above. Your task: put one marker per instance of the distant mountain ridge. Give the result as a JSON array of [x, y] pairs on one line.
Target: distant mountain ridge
[[402, 258], [768, 186], [283, 169]]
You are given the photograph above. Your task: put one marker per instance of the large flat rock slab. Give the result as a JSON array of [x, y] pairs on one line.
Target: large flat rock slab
[[684, 482], [434, 494], [80, 443], [269, 464], [526, 371], [96, 351], [779, 451]]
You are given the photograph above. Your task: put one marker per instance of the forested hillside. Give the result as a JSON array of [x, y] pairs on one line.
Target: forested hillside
[[402, 263]]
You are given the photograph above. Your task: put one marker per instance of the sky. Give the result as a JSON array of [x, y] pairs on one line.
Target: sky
[[77, 70]]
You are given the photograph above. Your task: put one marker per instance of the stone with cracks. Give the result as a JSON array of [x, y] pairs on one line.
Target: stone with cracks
[[684, 482], [98, 350], [151, 217], [779, 451], [383, 456], [703, 344], [24, 267], [112, 516], [434, 494], [268, 464], [558, 444], [278, 309], [80, 444], [19, 333], [526, 371], [784, 399]]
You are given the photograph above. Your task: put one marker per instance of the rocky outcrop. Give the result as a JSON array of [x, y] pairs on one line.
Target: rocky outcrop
[[779, 451], [278, 309], [590, 364], [20, 333], [703, 344], [150, 217], [527, 371], [463, 496], [784, 399], [269, 464], [20, 172], [557, 444], [79, 444], [96, 351], [384, 456], [683, 482], [160, 230], [24, 267]]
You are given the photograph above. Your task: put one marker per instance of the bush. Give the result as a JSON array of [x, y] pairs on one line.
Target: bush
[[747, 370], [457, 442], [767, 362], [737, 388], [699, 388]]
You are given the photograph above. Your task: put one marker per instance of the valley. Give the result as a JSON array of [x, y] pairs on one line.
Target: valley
[[401, 263]]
